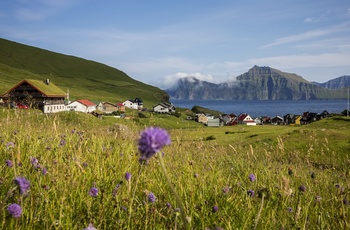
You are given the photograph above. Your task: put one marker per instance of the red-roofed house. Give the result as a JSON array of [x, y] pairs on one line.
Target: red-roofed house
[[84, 106], [245, 119]]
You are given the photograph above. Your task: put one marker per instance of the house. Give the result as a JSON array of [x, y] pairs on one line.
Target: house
[[84, 106], [213, 122], [43, 95], [201, 118], [229, 119], [309, 117], [137, 103], [245, 119], [277, 120], [164, 107], [120, 106], [106, 107]]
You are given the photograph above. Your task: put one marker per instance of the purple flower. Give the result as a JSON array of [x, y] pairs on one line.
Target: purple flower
[[10, 145], [90, 227], [93, 191], [151, 197], [44, 171], [15, 210], [252, 177], [289, 209], [226, 189], [85, 164], [168, 205], [215, 208], [23, 184], [151, 141], [63, 142], [302, 188], [127, 176], [250, 193], [34, 161], [9, 163]]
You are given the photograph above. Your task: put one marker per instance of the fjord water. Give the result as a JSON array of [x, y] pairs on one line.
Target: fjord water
[[256, 108]]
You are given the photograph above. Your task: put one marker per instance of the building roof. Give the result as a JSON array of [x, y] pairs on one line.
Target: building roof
[[86, 103], [49, 90]]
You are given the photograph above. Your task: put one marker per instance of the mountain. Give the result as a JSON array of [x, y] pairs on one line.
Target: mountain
[[337, 83], [259, 83], [85, 79]]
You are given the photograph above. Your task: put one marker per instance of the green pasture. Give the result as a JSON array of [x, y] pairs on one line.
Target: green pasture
[[208, 167]]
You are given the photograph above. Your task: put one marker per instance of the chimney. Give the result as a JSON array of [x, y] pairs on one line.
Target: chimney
[[47, 81]]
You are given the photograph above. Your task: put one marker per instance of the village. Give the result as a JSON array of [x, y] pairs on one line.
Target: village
[[47, 97]]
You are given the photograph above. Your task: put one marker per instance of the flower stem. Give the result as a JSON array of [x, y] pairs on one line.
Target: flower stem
[[178, 199]]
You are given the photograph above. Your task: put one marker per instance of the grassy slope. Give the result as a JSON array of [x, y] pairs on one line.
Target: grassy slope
[[85, 79]]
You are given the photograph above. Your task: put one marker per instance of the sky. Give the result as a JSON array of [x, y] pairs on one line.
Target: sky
[[160, 41]]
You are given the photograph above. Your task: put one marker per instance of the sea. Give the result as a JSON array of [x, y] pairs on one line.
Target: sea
[[270, 108]]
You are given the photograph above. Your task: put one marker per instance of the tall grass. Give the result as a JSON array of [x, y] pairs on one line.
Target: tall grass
[[212, 177]]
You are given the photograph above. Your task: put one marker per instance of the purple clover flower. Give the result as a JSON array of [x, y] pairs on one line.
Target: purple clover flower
[[168, 205], [34, 161], [127, 176], [215, 208], [302, 188], [152, 140], [252, 177], [62, 142], [44, 171], [250, 193], [289, 209], [23, 184], [151, 197], [93, 191], [9, 163], [10, 145], [15, 210], [90, 227]]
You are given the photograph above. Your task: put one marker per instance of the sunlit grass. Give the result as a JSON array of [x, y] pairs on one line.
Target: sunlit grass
[[80, 151]]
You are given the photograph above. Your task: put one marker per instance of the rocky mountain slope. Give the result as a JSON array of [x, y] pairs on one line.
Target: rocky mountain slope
[[259, 83], [337, 83]]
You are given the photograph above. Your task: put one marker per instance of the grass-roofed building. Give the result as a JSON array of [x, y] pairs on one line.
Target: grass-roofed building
[[42, 95]]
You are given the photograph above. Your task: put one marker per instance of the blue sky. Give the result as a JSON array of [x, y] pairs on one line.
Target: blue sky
[[159, 41]]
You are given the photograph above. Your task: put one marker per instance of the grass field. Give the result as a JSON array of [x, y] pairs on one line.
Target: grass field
[[237, 177]]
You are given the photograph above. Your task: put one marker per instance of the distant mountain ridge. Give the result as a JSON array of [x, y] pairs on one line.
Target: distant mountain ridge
[[337, 83], [259, 83]]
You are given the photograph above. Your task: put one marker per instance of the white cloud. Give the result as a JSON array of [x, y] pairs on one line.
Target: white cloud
[[171, 80], [309, 35]]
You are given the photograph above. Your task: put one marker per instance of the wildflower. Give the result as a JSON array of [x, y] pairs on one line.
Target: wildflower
[[318, 198], [215, 208], [62, 142], [23, 184], [168, 205], [289, 209], [252, 177], [10, 145], [302, 188], [85, 164], [151, 141], [195, 175], [127, 176], [90, 227], [226, 189], [9, 163], [15, 210], [250, 192], [44, 171], [93, 191], [151, 197], [34, 161]]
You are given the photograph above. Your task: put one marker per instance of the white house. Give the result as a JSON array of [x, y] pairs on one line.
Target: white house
[[137, 103], [84, 106], [245, 119], [164, 107]]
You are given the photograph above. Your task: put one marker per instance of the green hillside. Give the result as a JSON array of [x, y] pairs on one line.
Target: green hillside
[[85, 79]]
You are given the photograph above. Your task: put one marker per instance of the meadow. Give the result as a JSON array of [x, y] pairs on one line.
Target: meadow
[[85, 173]]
